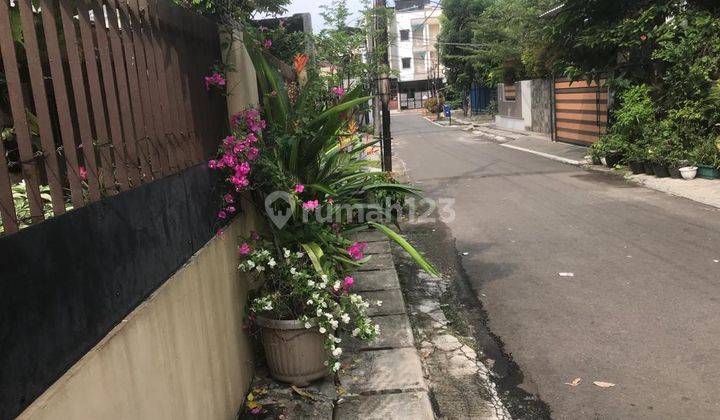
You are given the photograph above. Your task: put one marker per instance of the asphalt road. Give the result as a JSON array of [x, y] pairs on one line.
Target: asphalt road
[[642, 310]]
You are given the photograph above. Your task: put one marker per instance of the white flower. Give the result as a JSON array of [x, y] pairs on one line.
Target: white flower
[[307, 325], [334, 324], [377, 329], [336, 366], [260, 268], [345, 318], [250, 263], [272, 262], [337, 351], [336, 286], [286, 252], [318, 312], [268, 306], [325, 363], [355, 332], [324, 277], [379, 303], [299, 254], [329, 315], [310, 302], [322, 330], [311, 283], [293, 271]]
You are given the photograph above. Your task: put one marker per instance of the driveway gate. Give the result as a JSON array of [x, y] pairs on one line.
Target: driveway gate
[[581, 111]]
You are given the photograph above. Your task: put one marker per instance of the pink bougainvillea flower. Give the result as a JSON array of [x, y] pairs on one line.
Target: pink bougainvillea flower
[[299, 188], [643, 37], [338, 90], [229, 140], [244, 249], [311, 205], [229, 198], [83, 173], [347, 283], [252, 153], [251, 138], [222, 214], [330, 200], [267, 43], [356, 250], [254, 236], [212, 164], [242, 169], [219, 232], [230, 209], [216, 79]]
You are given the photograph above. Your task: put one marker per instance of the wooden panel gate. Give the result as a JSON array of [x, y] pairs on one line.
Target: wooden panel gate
[[580, 111]]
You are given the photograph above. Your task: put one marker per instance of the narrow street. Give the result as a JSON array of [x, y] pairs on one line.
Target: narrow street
[[641, 308]]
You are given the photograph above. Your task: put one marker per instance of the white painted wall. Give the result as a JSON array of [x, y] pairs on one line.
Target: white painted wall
[[526, 97], [404, 49]]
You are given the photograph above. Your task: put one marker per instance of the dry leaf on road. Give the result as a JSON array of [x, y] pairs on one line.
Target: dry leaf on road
[[575, 382], [303, 393], [604, 384]]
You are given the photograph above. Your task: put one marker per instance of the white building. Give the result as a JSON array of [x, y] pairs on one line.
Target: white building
[[413, 54]]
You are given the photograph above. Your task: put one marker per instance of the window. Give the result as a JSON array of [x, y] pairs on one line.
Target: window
[[509, 92], [406, 63], [404, 34]]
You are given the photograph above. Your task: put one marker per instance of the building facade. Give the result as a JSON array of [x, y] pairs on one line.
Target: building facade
[[418, 73]]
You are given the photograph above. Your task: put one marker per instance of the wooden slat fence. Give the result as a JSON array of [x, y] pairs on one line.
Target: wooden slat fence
[[581, 111], [98, 97]]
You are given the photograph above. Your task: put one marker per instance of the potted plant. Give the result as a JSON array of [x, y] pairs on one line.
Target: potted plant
[[706, 156], [301, 313], [688, 172], [596, 153], [303, 158], [650, 154], [634, 154]]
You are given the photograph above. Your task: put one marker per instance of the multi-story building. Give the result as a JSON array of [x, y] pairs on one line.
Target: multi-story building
[[413, 53]]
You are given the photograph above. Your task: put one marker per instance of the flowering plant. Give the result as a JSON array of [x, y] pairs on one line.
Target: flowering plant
[[293, 289]]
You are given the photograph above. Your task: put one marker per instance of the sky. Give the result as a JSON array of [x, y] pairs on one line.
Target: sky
[[313, 7]]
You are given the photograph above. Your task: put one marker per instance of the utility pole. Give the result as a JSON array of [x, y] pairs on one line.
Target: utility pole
[[381, 21]]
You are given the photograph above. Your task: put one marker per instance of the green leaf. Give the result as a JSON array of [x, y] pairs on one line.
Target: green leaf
[[316, 255], [414, 254]]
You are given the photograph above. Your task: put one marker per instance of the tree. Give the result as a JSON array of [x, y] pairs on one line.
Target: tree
[[456, 21], [340, 46]]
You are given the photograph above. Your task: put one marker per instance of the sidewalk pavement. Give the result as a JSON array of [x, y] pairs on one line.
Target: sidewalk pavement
[[382, 379], [700, 190]]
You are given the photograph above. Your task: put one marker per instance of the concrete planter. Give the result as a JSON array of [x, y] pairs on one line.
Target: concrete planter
[[707, 172], [294, 354], [688, 172]]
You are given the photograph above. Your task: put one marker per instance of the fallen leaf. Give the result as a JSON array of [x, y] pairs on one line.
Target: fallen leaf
[[303, 393], [604, 384], [575, 382]]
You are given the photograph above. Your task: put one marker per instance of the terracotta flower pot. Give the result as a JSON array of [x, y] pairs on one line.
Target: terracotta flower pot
[[294, 354]]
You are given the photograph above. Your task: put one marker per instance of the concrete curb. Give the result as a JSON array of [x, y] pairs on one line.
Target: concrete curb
[[384, 378], [545, 155]]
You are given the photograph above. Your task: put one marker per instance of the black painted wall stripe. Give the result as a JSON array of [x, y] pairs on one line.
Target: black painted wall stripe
[[68, 281]]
